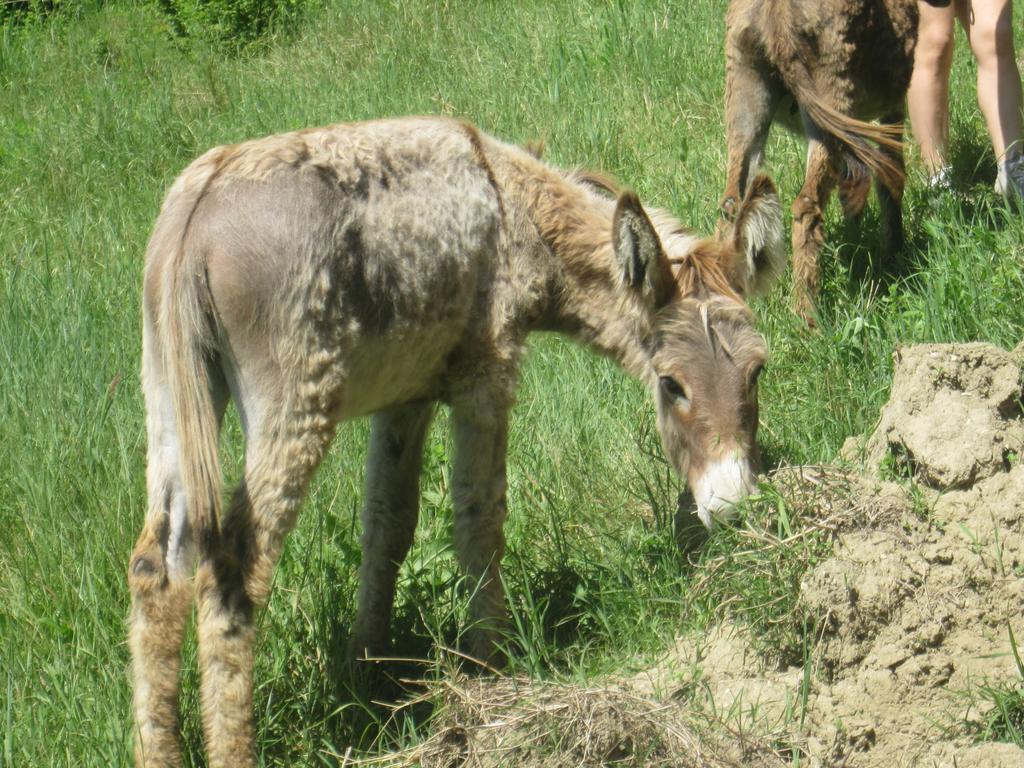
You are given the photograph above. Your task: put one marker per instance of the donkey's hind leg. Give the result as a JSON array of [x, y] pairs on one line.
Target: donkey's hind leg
[[283, 449], [808, 226], [390, 511], [160, 573], [890, 199]]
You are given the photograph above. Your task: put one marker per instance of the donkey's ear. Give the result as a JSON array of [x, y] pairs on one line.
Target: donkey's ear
[[643, 263], [757, 238]]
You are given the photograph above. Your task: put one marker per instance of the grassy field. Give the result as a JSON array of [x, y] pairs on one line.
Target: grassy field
[[98, 113]]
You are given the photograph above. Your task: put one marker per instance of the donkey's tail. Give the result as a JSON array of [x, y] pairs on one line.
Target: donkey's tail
[[864, 140], [184, 323]]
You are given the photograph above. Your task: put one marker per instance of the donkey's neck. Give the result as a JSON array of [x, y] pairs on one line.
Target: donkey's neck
[[585, 297], [593, 306]]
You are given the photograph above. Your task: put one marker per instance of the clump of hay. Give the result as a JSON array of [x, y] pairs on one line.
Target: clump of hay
[[835, 499], [510, 721]]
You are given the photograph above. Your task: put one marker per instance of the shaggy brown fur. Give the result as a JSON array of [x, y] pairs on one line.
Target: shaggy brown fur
[[824, 67], [379, 268]]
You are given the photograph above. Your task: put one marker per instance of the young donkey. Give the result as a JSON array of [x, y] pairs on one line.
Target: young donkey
[[376, 268], [823, 67]]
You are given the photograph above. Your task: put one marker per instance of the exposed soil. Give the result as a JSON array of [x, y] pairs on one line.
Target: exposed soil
[[913, 609]]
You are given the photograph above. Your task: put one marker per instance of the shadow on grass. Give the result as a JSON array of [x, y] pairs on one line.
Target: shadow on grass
[[362, 707], [375, 705], [854, 255]]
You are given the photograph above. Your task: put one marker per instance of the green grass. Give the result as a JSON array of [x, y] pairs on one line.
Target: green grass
[[997, 705], [993, 709], [99, 112]]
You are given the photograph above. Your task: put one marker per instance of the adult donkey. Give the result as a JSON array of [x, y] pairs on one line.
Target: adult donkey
[[823, 67], [376, 268]]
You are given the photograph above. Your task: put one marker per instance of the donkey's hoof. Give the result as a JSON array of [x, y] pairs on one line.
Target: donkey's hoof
[[144, 567], [804, 309], [146, 571]]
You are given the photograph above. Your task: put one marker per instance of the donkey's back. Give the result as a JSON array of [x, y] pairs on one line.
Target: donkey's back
[[349, 254], [856, 55]]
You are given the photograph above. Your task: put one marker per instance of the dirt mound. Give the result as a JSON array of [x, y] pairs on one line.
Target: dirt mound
[[913, 608], [916, 603], [954, 414], [912, 613]]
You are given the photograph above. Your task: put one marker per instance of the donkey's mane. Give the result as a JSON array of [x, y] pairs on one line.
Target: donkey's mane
[[698, 263], [700, 269], [582, 232], [703, 270]]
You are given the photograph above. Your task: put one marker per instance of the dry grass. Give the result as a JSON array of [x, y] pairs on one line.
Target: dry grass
[[833, 498], [512, 721]]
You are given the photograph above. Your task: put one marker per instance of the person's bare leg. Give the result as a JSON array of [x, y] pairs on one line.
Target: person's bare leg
[[989, 28], [928, 95]]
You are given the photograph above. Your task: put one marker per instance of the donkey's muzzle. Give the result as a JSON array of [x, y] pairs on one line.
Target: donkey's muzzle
[[720, 487]]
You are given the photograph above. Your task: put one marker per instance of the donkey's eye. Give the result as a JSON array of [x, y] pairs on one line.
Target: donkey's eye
[[756, 374], [673, 390]]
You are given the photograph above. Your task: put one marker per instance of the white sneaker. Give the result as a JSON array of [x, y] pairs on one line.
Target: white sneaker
[[1010, 179], [941, 180]]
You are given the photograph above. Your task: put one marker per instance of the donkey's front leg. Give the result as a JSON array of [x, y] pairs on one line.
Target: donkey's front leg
[[390, 510], [478, 489], [750, 102], [809, 225]]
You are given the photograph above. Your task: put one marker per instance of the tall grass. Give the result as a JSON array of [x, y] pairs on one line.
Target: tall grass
[[99, 112]]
